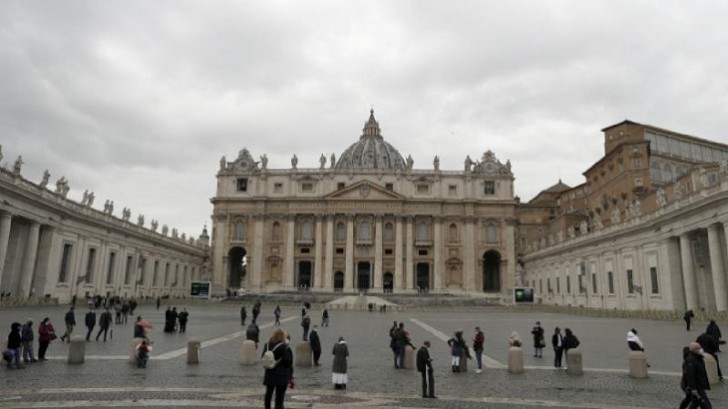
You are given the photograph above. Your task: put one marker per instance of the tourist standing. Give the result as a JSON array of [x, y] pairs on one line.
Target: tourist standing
[[688, 317], [256, 311], [478, 342], [424, 367], [538, 340], [315, 342], [340, 377], [27, 337], [182, 319], [243, 315], [694, 379], [710, 346], [393, 343], [570, 340], [143, 351], [90, 321], [70, 321], [252, 333], [557, 341], [46, 334], [278, 378], [714, 331], [457, 350], [14, 345], [277, 315], [305, 323], [104, 323], [325, 318]]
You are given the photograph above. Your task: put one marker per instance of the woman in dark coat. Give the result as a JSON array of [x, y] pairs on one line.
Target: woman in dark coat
[[46, 334], [340, 352], [279, 377], [714, 331]]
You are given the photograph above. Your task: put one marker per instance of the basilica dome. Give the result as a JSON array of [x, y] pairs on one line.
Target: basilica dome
[[371, 151]]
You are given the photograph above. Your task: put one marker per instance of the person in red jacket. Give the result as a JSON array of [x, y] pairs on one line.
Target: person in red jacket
[[478, 342], [46, 334]]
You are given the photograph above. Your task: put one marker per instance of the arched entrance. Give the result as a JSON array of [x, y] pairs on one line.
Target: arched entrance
[[338, 281], [236, 267], [305, 278], [423, 276], [491, 272], [388, 282], [363, 275]]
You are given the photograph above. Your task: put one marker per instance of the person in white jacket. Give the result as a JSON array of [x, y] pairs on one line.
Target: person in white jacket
[[634, 342]]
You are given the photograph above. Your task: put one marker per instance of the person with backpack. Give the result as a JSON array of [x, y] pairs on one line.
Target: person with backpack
[[277, 360], [143, 351]]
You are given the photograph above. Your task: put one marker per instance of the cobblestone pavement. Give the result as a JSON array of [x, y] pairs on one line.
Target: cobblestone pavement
[[107, 379]]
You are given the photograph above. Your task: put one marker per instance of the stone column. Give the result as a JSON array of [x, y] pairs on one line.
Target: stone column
[[378, 252], [31, 251], [398, 255], [256, 276], [5, 222], [288, 263], [349, 269], [318, 280], [219, 266], [688, 275], [437, 270], [718, 268], [329, 267], [469, 261], [409, 257]]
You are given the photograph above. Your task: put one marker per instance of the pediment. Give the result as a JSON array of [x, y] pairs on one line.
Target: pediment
[[364, 190]]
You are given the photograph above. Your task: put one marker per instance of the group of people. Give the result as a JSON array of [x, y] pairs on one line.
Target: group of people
[[175, 321], [20, 342], [560, 342]]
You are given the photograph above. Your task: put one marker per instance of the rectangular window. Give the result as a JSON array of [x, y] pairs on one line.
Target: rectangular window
[[142, 269], [340, 186], [568, 284], [242, 184], [176, 275], [90, 265], [305, 250], [306, 187], [127, 270], [637, 163], [110, 268], [155, 276], [423, 188], [278, 188], [630, 282], [389, 186], [540, 286], [65, 260], [582, 289], [388, 252], [558, 285], [610, 281], [548, 285], [339, 250], [166, 275], [422, 252], [594, 283], [452, 190], [654, 281], [489, 187]]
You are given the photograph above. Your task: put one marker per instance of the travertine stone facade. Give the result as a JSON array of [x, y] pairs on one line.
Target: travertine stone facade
[[53, 246], [368, 221]]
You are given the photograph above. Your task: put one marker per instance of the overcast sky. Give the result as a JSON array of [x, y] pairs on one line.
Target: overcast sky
[[138, 100]]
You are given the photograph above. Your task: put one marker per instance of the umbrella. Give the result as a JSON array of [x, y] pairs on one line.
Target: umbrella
[[145, 324]]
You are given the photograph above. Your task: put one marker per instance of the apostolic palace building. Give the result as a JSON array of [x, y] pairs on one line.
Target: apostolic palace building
[[647, 230]]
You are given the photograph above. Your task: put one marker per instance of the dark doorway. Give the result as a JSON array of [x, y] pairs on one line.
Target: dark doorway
[[423, 276], [388, 282], [236, 267], [491, 272], [338, 281], [363, 275], [305, 278]]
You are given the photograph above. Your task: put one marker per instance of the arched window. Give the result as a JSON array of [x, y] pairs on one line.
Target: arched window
[[669, 176], [364, 231], [655, 172], [306, 230], [453, 232], [276, 231], [239, 230], [422, 233], [388, 232], [491, 233], [340, 231]]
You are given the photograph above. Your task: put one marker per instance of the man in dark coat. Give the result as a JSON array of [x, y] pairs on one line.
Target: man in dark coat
[[710, 346], [424, 367], [90, 321], [714, 330], [695, 379], [70, 320], [570, 341], [557, 341], [252, 333], [688, 317], [104, 324], [182, 318], [393, 343], [243, 315], [305, 323], [315, 342], [256, 311]]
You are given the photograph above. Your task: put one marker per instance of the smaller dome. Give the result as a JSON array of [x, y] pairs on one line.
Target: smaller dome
[[371, 151]]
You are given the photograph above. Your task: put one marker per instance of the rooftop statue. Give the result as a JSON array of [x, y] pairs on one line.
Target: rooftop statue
[[46, 177], [17, 165], [468, 163], [264, 161], [322, 161], [436, 163], [410, 162], [333, 160], [294, 161], [223, 163]]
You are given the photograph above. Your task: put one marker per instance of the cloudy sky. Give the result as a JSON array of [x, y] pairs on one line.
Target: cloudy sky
[[138, 100]]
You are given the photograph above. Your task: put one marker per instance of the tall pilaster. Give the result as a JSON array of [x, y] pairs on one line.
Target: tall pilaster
[[378, 255], [717, 265], [318, 280], [688, 274], [349, 270], [398, 256], [329, 263], [409, 256], [258, 259], [469, 254], [288, 263], [5, 222], [31, 251], [437, 270]]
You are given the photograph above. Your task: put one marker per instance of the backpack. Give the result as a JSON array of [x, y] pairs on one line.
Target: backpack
[[269, 361]]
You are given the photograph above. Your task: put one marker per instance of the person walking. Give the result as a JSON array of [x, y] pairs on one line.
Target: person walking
[[710, 346], [14, 345], [538, 340], [339, 376], [557, 341], [688, 318], [182, 318], [277, 315], [305, 323], [424, 367], [315, 342], [478, 342], [27, 337], [104, 324], [46, 334], [70, 321], [714, 331], [695, 379], [256, 311], [393, 343], [458, 350], [243, 315], [277, 378], [90, 321], [325, 318], [159, 302]]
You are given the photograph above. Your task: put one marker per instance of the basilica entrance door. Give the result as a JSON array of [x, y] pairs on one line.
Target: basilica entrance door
[[363, 275], [236, 267], [338, 281], [491, 272], [423, 276], [388, 282], [305, 278]]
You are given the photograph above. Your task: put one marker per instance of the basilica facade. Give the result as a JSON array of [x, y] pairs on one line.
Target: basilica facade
[[365, 221]]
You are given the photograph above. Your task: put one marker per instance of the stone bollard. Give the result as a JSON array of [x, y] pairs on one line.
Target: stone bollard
[[303, 354], [134, 344], [408, 361], [711, 369], [573, 362], [193, 352], [463, 367], [77, 349], [637, 364], [248, 355], [515, 360]]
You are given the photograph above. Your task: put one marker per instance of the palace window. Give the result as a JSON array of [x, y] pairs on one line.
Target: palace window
[[630, 282], [558, 285], [568, 285], [389, 186], [491, 233], [306, 187], [656, 172], [669, 176], [423, 188], [242, 184], [364, 231], [278, 188], [127, 270], [340, 186], [388, 232], [239, 234], [654, 280], [489, 188], [453, 232], [155, 274], [110, 268], [422, 231], [452, 190], [610, 281], [306, 230], [65, 261], [276, 231], [90, 265], [340, 231], [594, 283]]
